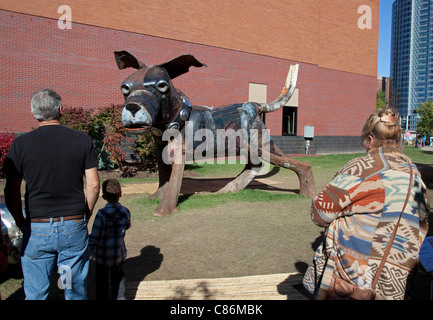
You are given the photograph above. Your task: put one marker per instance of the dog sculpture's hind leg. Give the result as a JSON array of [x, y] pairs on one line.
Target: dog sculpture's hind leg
[[271, 152], [275, 156]]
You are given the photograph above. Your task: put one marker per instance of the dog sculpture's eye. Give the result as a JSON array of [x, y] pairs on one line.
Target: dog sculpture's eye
[[125, 89], [162, 86]]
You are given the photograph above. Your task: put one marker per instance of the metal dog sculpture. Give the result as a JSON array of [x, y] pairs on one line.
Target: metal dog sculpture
[[153, 103]]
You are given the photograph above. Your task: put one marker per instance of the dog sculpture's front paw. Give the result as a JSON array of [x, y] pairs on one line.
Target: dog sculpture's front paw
[[160, 212]]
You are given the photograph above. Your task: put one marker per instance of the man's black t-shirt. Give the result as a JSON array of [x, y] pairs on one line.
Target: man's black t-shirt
[[52, 160]]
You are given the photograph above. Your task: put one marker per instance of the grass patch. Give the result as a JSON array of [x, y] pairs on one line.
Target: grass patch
[[216, 170], [330, 161], [323, 166], [198, 201], [142, 207], [418, 155]]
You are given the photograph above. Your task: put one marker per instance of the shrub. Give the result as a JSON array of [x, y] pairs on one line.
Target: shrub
[[145, 147], [109, 134], [104, 128], [77, 118], [6, 139]]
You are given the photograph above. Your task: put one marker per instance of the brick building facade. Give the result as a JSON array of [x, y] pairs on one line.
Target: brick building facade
[[241, 42]]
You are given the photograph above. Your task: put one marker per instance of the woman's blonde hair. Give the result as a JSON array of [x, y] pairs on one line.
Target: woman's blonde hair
[[383, 126]]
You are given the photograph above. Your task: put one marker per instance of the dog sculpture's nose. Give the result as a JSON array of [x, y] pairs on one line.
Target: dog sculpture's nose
[[133, 108]]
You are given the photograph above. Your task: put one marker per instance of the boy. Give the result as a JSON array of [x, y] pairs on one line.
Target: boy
[[106, 242]]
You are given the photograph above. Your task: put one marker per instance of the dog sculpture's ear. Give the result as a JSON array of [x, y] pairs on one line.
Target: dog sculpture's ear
[[126, 60], [181, 65]]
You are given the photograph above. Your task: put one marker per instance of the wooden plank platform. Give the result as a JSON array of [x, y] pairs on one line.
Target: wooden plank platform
[[261, 287]]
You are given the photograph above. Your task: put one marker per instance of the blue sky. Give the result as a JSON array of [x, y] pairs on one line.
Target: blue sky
[[384, 56]]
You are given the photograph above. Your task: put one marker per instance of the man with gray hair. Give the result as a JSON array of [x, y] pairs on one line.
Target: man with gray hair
[[45, 105], [52, 160]]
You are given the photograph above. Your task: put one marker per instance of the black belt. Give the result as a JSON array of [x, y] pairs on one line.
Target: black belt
[[57, 219]]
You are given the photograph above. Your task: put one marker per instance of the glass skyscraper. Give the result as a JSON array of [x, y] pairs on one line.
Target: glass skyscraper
[[411, 57]]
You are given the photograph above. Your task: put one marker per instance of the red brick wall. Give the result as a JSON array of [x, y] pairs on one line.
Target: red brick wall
[[79, 64], [336, 103], [320, 32]]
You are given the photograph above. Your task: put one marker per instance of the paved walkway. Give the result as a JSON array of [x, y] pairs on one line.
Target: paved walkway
[[262, 287]]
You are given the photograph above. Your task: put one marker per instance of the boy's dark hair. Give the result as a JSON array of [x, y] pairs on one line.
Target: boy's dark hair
[[111, 189]]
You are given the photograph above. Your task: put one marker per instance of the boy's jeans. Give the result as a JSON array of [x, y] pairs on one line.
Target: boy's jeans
[[117, 277], [44, 244]]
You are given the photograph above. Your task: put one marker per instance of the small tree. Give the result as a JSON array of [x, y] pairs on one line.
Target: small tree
[[381, 100], [425, 123]]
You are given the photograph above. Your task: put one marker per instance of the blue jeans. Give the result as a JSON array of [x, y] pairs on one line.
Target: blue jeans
[[44, 244]]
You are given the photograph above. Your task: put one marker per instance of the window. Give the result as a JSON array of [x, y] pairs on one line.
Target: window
[[263, 118], [290, 115]]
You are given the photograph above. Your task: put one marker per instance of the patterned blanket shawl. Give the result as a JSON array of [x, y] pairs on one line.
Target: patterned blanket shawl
[[359, 209]]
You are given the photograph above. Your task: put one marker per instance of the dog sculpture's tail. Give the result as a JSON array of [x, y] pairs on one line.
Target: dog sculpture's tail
[[285, 95]]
